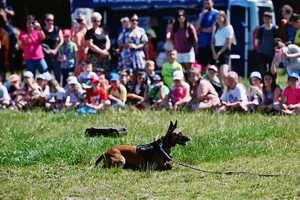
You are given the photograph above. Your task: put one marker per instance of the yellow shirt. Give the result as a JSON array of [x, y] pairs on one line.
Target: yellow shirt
[[119, 93]]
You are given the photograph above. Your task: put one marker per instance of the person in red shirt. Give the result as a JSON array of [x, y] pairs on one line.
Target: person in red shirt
[[96, 96]]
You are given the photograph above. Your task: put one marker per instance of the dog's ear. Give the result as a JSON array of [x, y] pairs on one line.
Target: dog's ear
[[175, 125], [170, 129]]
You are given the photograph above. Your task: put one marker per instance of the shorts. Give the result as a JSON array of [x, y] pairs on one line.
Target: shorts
[[188, 57]]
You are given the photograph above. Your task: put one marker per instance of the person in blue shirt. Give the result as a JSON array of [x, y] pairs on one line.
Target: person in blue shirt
[[205, 25]]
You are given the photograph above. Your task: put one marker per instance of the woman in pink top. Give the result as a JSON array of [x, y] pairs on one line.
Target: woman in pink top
[[31, 44]]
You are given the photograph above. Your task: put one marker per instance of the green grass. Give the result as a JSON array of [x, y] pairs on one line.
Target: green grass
[[47, 156]]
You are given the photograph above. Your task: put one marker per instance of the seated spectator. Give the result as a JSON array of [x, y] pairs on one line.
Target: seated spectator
[[150, 72], [14, 88], [125, 79], [180, 92], [117, 92], [30, 94], [271, 94], [136, 93], [234, 98], [104, 83], [170, 67], [42, 81], [291, 95], [289, 56], [4, 97], [87, 74], [56, 97], [204, 95], [96, 98], [74, 93], [255, 93], [156, 94], [212, 77], [67, 53]]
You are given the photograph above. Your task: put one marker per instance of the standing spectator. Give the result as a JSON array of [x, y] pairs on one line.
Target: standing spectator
[[265, 36], [78, 37], [98, 42], [184, 38], [293, 28], [4, 49], [51, 44], [204, 95], [289, 56], [31, 43], [124, 60], [271, 94], [67, 56], [117, 92], [297, 27], [170, 67], [205, 26], [222, 40], [291, 95], [285, 27], [136, 43], [234, 98]]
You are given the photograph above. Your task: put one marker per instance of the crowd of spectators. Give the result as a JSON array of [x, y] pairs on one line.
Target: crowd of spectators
[[71, 69]]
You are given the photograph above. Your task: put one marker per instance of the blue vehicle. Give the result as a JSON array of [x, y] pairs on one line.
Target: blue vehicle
[[245, 17]]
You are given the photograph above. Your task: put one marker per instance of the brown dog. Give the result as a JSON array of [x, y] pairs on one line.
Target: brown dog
[[155, 156]]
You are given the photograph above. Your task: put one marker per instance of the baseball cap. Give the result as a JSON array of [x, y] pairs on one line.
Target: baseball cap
[[255, 74], [72, 80], [293, 75], [178, 75], [95, 80], [67, 32], [28, 74], [213, 67], [114, 77], [124, 19]]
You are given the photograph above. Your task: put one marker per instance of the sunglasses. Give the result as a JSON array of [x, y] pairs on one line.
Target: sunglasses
[[134, 20], [95, 20], [79, 20]]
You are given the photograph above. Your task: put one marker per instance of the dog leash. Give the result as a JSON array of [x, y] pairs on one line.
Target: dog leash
[[232, 172]]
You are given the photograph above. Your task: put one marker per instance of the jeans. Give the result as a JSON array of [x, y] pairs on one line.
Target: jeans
[[40, 64]]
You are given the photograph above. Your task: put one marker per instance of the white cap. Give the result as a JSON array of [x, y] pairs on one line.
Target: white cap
[[72, 80], [213, 67], [28, 74], [178, 75], [255, 74]]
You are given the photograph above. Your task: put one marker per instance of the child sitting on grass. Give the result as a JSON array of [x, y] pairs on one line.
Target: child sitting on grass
[[170, 67], [56, 97], [291, 95], [234, 98]]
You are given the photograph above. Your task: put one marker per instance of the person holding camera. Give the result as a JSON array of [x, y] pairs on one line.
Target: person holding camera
[[31, 43]]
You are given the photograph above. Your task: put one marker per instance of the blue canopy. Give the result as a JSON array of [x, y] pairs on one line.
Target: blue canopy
[[141, 4]]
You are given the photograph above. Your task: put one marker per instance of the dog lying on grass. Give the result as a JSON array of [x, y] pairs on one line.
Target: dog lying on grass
[[152, 156]]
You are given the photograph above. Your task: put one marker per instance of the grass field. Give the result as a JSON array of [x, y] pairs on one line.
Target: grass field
[[46, 156]]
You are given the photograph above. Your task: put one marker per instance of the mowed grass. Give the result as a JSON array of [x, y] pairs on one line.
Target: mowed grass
[[47, 156]]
